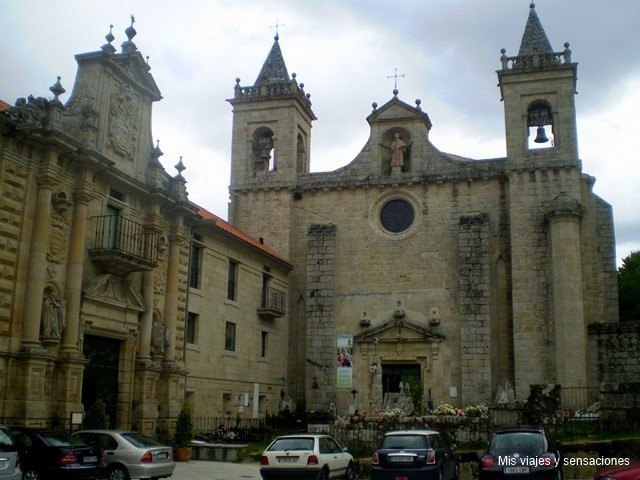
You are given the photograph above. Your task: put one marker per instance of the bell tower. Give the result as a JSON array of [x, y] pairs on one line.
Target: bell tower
[[271, 127], [538, 88], [270, 148]]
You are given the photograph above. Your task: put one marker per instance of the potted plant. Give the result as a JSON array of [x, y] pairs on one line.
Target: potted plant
[[185, 432]]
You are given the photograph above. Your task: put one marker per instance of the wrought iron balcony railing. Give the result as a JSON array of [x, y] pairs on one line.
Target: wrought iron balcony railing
[[272, 304], [123, 246]]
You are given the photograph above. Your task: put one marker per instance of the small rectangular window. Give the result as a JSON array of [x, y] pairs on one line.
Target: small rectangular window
[[195, 263], [230, 337], [191, 327], [232, 280], [264, 344]]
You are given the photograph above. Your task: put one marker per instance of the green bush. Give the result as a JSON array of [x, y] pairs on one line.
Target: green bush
[[96, 417], [185, 429]]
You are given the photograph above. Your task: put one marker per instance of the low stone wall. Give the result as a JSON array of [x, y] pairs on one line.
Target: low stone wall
[[216, 451]]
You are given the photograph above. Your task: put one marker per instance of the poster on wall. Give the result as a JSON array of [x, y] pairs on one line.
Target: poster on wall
[[345, 361]]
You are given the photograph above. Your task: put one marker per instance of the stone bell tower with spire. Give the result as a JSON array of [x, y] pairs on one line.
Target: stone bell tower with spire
[[270, 146], [547, 197]]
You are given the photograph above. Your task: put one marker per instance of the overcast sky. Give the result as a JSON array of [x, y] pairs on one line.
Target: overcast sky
[[344, 51]]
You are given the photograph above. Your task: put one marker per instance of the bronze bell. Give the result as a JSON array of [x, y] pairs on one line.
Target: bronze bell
[[541, 137]]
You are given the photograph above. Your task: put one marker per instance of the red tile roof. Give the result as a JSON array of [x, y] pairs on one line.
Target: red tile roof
[[4, 106], [233, 231]]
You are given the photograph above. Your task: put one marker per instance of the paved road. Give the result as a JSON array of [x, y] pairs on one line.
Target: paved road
[[205, 470]]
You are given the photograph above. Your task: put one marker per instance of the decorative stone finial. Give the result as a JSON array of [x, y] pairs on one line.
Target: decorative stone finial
[[129, 46], [418, 103], [365, 322], [107, 47], [395, 92], [156, 153], [57, 90], [532, 5], [374, 105], [180, 167]]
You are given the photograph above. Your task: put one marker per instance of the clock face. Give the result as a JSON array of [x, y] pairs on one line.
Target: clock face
[[397, 216]]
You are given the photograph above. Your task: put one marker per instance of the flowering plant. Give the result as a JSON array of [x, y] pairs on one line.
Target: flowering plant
[[477, 410]]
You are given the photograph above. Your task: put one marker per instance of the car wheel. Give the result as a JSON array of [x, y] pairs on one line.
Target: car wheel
[[456, 475], [118, 472], [440, 474], [350, 473], [324, 474], [31, 475]]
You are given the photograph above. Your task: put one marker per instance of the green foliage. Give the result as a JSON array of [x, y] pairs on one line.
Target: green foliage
[[629, 287], [185, 429], [96, 417]]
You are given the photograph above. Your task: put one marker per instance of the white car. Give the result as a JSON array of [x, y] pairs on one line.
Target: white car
[[306, 456]]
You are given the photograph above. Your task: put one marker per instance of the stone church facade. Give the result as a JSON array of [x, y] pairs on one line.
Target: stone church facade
[[407, 267], [465, 277], [113, 285]]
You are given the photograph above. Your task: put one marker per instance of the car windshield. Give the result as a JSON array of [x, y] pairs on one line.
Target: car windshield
[[139, 440], [532, 443], [403, 442], [284, 444], [6, 442], [60, 439]]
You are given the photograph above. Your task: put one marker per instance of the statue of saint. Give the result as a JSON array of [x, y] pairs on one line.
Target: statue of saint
[[53, 313], [397, 151], [157, 337]]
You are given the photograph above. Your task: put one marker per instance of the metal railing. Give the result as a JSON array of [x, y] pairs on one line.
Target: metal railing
[[273, 299], [120, 234]]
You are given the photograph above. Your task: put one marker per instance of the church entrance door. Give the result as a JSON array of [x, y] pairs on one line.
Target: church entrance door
[[394, 374], [100, 379]]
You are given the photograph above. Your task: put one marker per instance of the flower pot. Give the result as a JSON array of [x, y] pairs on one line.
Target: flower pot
[[182, 454]]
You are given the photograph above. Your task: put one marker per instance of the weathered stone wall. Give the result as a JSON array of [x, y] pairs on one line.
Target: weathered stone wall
[[475, 318], [618, 347], [321, 338]]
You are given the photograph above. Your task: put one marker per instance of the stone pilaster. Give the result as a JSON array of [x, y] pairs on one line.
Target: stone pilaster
[[567, 288], [475, 318], [68, 383], [321, 331], [176, 238], [146, 398], [75, 269], [38, 254], [146, 319]]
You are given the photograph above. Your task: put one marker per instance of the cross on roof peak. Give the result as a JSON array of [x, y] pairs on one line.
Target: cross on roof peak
[[276, 26], [395, 77]]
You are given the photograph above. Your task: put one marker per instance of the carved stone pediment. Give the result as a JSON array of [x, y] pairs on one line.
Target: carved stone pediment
[[395, 110], [399, 330], [114, 291]]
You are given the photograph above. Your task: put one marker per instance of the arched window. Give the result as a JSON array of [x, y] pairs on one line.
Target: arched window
[[301, 155], [540, 125], [264, 158]]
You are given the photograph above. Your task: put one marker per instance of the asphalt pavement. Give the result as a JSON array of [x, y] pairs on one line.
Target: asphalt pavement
[[206, 470]]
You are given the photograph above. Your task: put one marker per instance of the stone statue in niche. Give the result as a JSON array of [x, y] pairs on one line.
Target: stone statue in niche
[[398, 147], [53, 317], [375, 370], [158, 337]]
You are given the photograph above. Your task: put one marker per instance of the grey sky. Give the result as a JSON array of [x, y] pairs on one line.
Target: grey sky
[[344, 51]]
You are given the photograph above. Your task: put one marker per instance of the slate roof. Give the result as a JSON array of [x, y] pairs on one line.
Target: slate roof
[[4, 106], [229, 229], [273, 70], [534, 39]]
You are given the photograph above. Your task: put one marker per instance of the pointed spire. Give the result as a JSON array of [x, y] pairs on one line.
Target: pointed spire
[[534, 39], [274, 70]]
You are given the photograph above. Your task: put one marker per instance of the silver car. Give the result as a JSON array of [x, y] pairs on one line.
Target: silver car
[[9, 464], [131, 454]]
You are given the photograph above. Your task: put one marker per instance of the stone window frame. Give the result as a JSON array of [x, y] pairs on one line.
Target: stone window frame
[[230, 341], [379, 203]]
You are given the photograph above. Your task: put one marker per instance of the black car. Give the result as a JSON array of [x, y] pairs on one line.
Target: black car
[[521, 453], [53, 455], [414, 455]]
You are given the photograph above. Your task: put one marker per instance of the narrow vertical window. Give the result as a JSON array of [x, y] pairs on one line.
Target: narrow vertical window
[[230, 337], [232, 280], [191, 327], [264, 344], [195, 262]]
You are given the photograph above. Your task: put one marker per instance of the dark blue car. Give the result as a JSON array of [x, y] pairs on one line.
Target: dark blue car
[[53, 455], [414, 455]]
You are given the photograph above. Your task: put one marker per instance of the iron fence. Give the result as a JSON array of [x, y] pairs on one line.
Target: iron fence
[[231, 429]]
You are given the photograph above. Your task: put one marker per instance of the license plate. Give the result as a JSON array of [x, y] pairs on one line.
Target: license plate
[[90, 459], [516, 469], [287, 459], [400, 459], [402, 478], [4, 464], [163, 455]]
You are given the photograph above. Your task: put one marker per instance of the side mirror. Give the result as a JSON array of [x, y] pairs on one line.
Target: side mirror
[[453, 446]]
